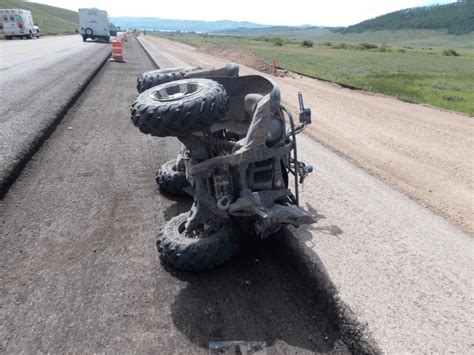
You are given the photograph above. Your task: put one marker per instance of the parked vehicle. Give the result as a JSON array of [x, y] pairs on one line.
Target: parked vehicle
[[94, 24], [113, 29], [18, 23], [237, 157]]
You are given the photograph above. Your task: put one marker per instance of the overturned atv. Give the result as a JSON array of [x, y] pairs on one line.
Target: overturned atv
[[237, 159]]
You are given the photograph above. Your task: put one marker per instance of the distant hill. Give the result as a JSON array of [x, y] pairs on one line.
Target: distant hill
[[50, 19], [457, 18], [181, 25], [291, 32]]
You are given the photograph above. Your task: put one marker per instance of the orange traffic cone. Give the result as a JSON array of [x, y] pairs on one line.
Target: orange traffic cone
[[117, 53]]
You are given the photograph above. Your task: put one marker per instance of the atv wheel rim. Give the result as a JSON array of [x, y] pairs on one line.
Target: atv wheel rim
[[176, 91], [206, 231]]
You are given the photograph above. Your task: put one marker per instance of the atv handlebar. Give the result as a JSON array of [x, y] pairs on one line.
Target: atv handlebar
[[305, 113]]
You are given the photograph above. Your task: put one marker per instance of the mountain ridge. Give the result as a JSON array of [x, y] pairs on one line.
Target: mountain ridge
[[456, 18], [182, 25]]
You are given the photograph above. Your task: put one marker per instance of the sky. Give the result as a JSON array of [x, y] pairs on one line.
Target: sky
[[268, 12]]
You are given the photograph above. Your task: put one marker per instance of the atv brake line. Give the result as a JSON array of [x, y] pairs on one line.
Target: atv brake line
[[207, 139]]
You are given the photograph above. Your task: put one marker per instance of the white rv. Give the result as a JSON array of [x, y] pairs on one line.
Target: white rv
[[18, 23], [94, 24]]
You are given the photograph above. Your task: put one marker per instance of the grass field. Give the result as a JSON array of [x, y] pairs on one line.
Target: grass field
[[411, 73], [50, 19], [418, 38]]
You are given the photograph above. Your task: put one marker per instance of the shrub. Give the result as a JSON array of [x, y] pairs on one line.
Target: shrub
[[328, 44], [451, 52], [307, 43], [383, 49], [453, 98], [366, 46], [340, 46], [440, 85], [401, 50], [278, 42]]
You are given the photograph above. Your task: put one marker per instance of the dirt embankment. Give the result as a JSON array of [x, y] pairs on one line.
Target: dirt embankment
[[248, 59], [423, 151]]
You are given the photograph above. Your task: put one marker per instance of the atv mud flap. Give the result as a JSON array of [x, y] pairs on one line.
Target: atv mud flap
[[275, 216]]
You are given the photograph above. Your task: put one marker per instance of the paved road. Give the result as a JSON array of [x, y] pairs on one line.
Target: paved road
[[38, 79], [390, 263], [79, 271], [27, 53]]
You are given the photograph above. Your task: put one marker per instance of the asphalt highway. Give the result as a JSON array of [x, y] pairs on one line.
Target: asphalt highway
[[79, 271], [38, 81]]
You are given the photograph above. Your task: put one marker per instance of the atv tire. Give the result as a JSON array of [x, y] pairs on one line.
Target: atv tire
[[170, 180], [153, 78], [179, 108], [195, 254]]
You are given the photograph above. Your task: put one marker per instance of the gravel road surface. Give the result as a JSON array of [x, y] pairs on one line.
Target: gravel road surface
[[403, 273], [38, 81], [401, 269], [79, 271]]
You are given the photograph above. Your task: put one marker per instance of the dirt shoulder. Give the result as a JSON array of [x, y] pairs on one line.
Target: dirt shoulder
[[421, 150]]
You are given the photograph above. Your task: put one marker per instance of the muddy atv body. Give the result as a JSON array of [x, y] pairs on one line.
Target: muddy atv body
[[238, 159]]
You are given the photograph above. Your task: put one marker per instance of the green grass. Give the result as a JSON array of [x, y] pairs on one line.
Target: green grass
[[415, 74], [418, 38], [50, 19]]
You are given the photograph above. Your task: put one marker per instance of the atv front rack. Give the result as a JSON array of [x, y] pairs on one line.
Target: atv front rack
[[299, 169]]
